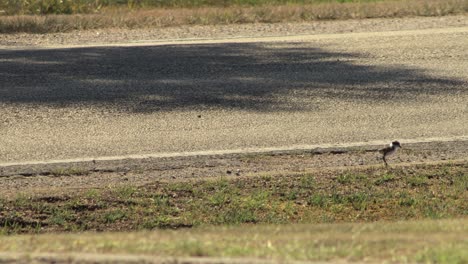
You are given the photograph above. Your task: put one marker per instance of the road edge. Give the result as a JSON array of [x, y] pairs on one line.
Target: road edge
[[119, 163]]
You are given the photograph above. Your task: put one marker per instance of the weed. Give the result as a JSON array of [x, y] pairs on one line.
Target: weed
[[182, 187], [91, 194], [444, 170], [292, 195], [69, 172], [41, 208], [223, 191], [21, 200], [387, 177], [258, 200], [406, 200], [460, 181], [417, 181], [359, 201], [61, 216], [307, 181], [350, 177], [125, 192], [37, 228], [434, 210], [12, 223], [318, 200], [219, 199], [266, 177], [236, 215], [161, 200], [114, 216], [8, 230], [337, 198], [337, 208]]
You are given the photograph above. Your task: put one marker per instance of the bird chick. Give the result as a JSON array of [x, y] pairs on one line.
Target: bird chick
[[390, 150]]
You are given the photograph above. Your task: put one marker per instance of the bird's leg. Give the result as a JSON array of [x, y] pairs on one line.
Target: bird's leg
[[385, 161]]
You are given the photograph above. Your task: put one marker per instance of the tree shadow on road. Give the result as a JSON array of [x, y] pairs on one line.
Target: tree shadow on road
[[253, 77]]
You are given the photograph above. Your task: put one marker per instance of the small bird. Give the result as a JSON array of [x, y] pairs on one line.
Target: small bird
[[390, 150]]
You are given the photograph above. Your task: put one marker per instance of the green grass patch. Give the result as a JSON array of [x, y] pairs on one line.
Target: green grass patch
[[417, 181], [114, 216], [125, 192], [406, 199], [350, 177], [350, 196], [385, 178]]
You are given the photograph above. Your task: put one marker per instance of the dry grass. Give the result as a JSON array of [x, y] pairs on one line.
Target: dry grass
[[427, 241], [144, 18]]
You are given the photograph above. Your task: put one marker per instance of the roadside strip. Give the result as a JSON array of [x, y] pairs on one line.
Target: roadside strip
[[117, 163], [243, 39]]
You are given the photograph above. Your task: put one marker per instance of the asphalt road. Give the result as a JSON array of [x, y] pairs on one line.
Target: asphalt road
[[63, 103]]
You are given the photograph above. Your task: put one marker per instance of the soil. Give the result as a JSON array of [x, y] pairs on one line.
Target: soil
[[60, 178]]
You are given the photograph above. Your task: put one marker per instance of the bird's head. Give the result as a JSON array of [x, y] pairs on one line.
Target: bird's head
[[396, 144]]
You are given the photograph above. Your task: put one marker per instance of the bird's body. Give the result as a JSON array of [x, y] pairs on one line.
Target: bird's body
[[390, 150]]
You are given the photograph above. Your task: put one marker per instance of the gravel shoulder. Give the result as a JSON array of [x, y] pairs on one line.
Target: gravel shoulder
[[66, 177], [109, 36]]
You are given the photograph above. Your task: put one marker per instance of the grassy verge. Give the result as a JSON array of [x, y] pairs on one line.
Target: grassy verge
[[43, 7], [427, 241], [213, 15], [420, 192]]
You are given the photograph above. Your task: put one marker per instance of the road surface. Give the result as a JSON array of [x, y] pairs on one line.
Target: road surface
[[183, 96]]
